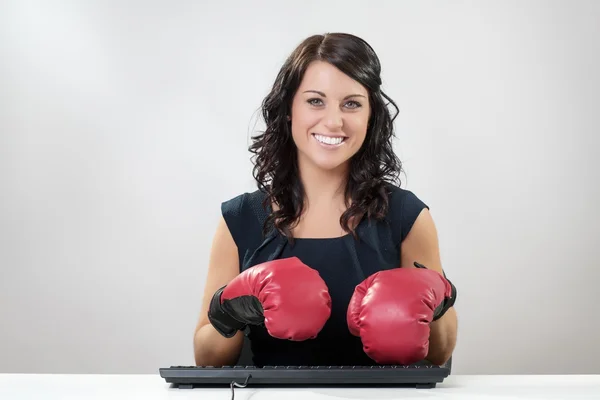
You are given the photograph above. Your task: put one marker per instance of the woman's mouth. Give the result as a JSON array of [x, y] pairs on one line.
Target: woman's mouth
[[329, 141]]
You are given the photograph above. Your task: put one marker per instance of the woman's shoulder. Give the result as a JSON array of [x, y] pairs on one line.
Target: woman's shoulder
[[399, 198], [246, 203], [403, 210], [244, 215]]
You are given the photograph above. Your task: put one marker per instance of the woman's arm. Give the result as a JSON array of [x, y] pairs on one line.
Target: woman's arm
[[421, 245], [210, 347], [442, 338]]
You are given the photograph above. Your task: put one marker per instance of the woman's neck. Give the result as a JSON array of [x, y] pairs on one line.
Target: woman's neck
[[323, 187]]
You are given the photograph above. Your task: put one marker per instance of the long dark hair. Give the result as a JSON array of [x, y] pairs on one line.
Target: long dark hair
[[372, 168]]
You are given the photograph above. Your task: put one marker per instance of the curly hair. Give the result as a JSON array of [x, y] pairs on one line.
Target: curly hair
[[372, 168]]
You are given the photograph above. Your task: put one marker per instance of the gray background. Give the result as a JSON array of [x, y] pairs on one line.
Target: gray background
[[123, 125]]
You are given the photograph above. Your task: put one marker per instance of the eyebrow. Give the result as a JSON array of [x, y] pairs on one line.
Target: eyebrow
[[323, 94]]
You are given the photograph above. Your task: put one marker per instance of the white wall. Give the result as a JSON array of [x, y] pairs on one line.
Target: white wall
[[123, 127]]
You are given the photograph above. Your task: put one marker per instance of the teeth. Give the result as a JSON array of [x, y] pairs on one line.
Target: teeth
[[329, 140]]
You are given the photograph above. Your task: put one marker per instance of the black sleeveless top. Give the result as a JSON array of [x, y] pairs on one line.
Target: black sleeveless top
[[342, 262]]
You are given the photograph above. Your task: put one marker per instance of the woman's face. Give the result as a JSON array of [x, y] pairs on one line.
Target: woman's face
[[330, 115]]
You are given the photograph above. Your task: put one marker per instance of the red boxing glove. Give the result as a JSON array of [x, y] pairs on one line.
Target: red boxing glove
[[391, 311], [288, 297]]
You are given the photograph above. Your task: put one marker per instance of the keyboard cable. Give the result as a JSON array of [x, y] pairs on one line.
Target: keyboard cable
[[240, 385]]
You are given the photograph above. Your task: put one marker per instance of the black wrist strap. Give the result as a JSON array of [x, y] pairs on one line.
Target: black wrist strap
[[446, 304], [224, 323], [448, 301]]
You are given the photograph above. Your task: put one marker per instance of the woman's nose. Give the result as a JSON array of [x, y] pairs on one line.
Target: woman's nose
[[334, 120]]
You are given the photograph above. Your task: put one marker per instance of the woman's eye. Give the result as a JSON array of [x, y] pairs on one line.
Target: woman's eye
[[315, 102], [353, 104]]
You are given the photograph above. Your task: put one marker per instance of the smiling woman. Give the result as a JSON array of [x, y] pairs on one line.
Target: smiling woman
[[318, 264], [334, 117]]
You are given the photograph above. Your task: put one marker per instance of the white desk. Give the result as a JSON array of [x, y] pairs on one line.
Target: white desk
[[152, 387]]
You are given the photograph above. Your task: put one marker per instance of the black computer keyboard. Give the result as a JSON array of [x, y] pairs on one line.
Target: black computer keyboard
[[421, 376]]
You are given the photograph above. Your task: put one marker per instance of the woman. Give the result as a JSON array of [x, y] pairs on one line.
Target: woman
[[327, 200]]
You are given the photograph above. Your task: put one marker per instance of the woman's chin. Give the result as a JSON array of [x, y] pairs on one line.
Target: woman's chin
[[329, 164]]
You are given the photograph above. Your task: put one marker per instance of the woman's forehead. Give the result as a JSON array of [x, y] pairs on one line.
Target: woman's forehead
[[323, 77]]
